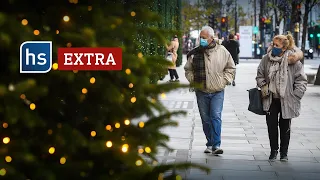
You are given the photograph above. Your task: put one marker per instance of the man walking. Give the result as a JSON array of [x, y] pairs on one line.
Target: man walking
[[233, 47], [210, 69]]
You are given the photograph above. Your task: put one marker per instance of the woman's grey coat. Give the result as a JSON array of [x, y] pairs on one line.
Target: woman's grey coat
[[296, 87]]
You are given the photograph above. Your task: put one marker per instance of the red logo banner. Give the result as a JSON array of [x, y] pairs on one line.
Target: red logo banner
[[90, 59]]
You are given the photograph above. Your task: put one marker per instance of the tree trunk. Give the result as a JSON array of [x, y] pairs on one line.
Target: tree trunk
[[293, 15], [305, 27], [317, 81], [285, 25], [278, 21], [277, 18]]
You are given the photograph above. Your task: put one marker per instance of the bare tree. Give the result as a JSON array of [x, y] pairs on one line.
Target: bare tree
[[241, 18], [197, 15], [308, 5], [294, 12], [278, 7]]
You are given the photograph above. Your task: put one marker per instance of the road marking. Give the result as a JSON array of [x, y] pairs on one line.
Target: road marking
[[178, 105], [185, 105]]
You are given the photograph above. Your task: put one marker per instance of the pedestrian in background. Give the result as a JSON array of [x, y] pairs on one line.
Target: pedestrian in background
[[172, 54], [233, 47], [283, 84], [212, 68]]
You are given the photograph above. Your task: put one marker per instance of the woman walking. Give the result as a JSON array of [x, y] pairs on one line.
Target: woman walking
[[172, 50], [283, 83]]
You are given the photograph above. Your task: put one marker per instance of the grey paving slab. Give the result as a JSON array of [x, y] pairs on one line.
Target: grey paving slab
[[226, 142], [292, 158], [239, 174], [298, 176], [182, 134], [216, 162], [230, 152], [294, 145], [198, 155], [236, 167], [226, 135], [248, 177], [179, 143], [315, 152], [204, 177], [295, 152], [231, 157], [226, 148], [300, 167], [239, 146]]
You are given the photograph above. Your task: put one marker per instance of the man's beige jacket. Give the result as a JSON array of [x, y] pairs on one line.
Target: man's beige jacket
[[220, 69]]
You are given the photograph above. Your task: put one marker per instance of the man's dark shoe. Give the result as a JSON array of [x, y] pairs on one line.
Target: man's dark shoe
[[216, 150], [273, 155], [233, 83], [283, 157]]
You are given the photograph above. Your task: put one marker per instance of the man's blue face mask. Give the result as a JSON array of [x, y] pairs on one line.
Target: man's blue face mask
[[203, 42], [276, 51]]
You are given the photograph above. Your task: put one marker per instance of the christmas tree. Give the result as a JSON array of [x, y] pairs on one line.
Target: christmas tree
[[83, 124]]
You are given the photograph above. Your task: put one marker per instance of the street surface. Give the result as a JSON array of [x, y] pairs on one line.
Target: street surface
[[244, 135]]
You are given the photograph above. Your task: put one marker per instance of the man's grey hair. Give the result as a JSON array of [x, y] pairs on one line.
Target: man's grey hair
[[209, 30]]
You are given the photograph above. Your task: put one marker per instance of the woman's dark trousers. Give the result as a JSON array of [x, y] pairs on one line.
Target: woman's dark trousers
[[274, 121], [173, 74]]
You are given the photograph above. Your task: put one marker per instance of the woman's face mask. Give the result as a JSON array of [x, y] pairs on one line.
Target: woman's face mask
[[277, 48], [276, 51]]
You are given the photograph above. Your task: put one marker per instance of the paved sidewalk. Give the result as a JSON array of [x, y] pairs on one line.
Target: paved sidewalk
[[244, 136]]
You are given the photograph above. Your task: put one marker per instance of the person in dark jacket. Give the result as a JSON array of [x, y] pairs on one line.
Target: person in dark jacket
[[233, 47]]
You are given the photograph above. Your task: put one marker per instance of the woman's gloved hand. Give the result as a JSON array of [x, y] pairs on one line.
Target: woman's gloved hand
[[265, 91]]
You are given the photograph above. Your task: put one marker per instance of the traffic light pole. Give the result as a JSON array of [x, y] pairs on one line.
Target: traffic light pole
[[297, 20], [255, 24], [262, 29], [296, 33]]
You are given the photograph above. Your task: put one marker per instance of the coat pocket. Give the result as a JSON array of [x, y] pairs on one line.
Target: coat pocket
[[296, 104], [216, 82]]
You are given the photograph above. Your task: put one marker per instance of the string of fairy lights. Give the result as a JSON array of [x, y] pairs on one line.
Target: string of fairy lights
[[84, 91]]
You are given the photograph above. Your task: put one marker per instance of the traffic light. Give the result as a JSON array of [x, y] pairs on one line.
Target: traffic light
[[298, 6], [310, 33], [297, 17], [268, 25], [224, 21], [212, 21], [262, 23]]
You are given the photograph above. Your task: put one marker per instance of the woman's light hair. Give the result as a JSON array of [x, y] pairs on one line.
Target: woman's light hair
[[286, 40], [209, 30]]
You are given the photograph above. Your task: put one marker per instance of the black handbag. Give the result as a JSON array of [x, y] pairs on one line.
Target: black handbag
[[255, 101]]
